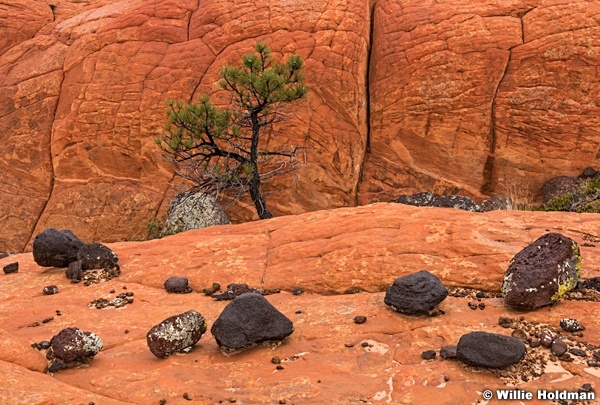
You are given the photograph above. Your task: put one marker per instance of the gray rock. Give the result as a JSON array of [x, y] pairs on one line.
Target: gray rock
[[497, 202], [96, 256], [417, 293], [419, 199], [178, 333], [249, 319], [193, 210], [180, 285], [74, 271], [557, 186], [11, 268], [455, 201], [588, 173], [542, 272], [490, 350], [75, 345], [448, 352], [53, 248]]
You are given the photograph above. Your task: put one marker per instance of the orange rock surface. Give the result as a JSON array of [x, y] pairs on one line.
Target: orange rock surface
[[454, 96], [325, 253]]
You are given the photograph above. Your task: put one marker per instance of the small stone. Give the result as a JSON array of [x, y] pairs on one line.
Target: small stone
[[176, 333], [11, 268], [546, 338], [298, 312], [112, 291], [534, 344], [50, 290], [162, 402], [481, 305], [210, 291], [232, 400], [578, 334], [587, 387], [129, 294], [448, 352], [297, 290], [126, 331], [44, 345], [490, 350], [480, 294], [571, 325], [46, 320], [180, 285], [187, 396], [279, 367], [58, 313], [559, 347], [365, 344], [472, 305], [593, 363], [282, 401], [519, 334], [578, 352], [276, 360], [428, 355], [596, 355], [349, 344], [360, 319], [505, 322], [74, 271]]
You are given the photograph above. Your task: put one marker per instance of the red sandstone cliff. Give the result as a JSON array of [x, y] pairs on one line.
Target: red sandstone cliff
[[406, 96]]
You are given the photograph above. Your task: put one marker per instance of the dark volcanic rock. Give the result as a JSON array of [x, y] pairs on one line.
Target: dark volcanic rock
[[74, 271], [571, 325], [176, 334], [592, 283], [558, 186], [448, 352], [546, 338], [249, 319], [588, 173], [417, 293], [490, 350], [75, 345], [419, 199], [53, 248], [559, 347], [497, 202], [50, 290], [96, 256], [542, 272], [11, 268], [179, 285], [455, 201], [428, 355]]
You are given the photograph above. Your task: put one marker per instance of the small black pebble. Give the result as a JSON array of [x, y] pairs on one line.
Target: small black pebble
[[578, 352], [319, 381], [534, 344], [129, 294], [51, 289], [587, 387], [360, 319], [481, 305], [50, 318], [472, 305], [297, 290], [276, 360], [162, 402], [593, 363], [126, 330], [428, 355], [480, 294], [349, 344], [58, 313], [364, 344], [298, 311], [187, 396], [282, 401], [279, 367], [11, 268], [112, 291], [124, 287], [36, 346]]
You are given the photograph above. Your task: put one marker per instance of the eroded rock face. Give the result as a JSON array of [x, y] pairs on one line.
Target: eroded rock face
[[54, 248], [490, 350], [417, 293], [176, 334], [249, 319], [542, 272], [462, 99]]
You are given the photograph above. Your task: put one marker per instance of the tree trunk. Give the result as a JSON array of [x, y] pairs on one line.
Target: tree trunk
[[257, 198]]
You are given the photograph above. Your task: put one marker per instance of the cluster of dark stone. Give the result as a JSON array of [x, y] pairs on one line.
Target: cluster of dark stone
[[537, 276], [561, 185], [181, 285], [54, 248]]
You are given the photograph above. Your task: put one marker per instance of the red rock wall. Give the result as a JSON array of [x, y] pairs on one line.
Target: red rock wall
[[461, 96]]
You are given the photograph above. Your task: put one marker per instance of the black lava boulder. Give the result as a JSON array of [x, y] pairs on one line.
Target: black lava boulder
[[250, 318], [178, 333], [542, 272], [417, 293], [490, 350], [96, 256], [180, 285], [54, 248], [74, 345]]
